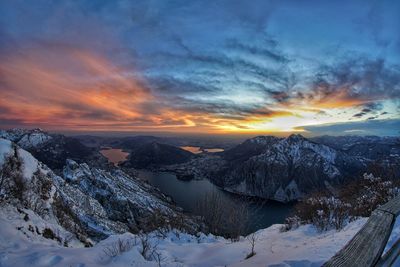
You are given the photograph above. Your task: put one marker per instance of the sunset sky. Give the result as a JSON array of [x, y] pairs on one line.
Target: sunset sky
[[222, 66]]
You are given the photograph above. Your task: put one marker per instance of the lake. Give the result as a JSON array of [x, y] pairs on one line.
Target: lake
[[114, 155], [187, 193], [199, 150]]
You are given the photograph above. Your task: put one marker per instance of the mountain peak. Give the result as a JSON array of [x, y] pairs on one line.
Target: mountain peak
[[296, 137]]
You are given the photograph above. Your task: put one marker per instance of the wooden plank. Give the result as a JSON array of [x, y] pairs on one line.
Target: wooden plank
[[393, 206], [390, 257], [366, 247]]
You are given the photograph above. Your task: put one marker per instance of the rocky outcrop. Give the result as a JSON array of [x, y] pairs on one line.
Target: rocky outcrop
[[285, 169], [54, 149], [26, 138], [86, 201]]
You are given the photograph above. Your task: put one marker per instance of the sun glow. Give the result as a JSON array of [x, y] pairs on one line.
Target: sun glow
[[81, 90]]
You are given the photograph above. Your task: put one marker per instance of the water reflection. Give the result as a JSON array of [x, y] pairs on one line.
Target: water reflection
[[187, 193], [114, 155]]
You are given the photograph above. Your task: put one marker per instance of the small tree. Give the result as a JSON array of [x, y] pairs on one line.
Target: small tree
[[224, 217], [252, 239], [118, 247]]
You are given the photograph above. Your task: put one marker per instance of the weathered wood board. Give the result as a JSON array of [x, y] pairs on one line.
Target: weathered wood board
[[366, 247]]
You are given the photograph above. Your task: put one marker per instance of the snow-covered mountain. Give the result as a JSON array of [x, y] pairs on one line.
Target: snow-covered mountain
[[26, 138], [88, 202], [371, 147], [54, 149], [285, 169], [86, 216]]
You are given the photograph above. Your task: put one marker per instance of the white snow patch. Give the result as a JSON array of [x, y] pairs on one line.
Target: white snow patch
[[301, 247], [29, 163]]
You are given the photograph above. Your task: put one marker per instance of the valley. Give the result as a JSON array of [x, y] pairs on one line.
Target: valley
[[146, 187]]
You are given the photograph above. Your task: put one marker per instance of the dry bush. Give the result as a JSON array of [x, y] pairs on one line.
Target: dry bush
[[356, 199], [369, 193], [11, 179], [223, 217], [148, 250], [67, 219], [252, 239], [291, 222], [118, 247], [163, 222], [49, 234]]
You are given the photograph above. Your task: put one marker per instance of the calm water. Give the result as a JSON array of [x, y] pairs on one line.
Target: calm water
[[193, 149], [198, 150], [214, 150], [187, 193], [114, 155]]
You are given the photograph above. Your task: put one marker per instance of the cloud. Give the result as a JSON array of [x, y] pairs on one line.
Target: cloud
[[191, 64], [369, 127], [267, 50], [348, 83], [54, 83]]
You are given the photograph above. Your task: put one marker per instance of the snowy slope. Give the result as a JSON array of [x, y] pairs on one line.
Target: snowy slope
[[26, 138], [90, 202], [301, 247]]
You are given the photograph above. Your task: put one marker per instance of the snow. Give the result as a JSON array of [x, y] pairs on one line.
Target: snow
[[5, 150], [301, 247], [29, 163], [34, 139], [26, 138]]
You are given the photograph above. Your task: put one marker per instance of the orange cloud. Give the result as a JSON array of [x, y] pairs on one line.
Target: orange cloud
[[60, 87], [64, 87], [68, 86]]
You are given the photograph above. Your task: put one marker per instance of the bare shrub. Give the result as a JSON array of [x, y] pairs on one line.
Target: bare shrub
[[49, 234], [356, 199], [210, 207], [158, 257], [162, 222], [67, 219], [369, 194], [223, 217], [291, 222], [252, 239], [148, 250], [118, 247], [11, 178]]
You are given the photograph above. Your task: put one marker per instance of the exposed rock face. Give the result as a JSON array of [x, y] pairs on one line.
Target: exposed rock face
[[285, 169], [54, 149], [89, 202], [26, 138]]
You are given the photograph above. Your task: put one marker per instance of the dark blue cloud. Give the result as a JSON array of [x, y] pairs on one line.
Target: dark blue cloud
[[369, 127]]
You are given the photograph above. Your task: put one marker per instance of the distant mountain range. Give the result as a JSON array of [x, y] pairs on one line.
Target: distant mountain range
[[286, 169], [282, 169]]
